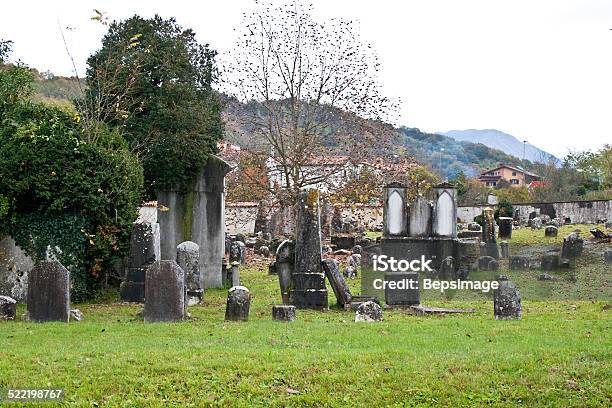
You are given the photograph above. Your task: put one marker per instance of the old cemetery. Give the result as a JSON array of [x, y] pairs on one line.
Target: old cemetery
[[428, 310]]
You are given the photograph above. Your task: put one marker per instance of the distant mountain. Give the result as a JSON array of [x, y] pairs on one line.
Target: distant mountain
[[502, 141], [442, 154]]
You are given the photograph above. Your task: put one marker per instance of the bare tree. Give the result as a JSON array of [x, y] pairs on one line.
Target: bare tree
[[316, 89]]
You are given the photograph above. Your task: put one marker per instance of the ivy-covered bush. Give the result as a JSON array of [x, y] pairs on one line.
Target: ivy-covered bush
[[63, 187]]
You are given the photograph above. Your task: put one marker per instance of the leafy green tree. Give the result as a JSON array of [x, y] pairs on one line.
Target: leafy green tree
[[152, 79], [58, 189]]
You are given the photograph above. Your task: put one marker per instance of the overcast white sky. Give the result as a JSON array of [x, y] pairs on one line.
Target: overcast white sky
[[538, 69]]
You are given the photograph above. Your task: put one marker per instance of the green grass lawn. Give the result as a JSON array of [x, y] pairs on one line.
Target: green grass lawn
[[558, 355]]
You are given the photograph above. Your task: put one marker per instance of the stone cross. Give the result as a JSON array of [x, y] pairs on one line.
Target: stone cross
[[49, 292]]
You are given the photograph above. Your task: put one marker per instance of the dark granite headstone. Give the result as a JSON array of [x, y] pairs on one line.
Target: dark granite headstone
[[343, 241], [507, 301], [402, 288], [368, 312], [572, 246], [188, 257], [283, 313], [164, 292], [339, 286], [49, 292], [8, 308], [144, 250], [549, 262], [505, 227], [238, 304]]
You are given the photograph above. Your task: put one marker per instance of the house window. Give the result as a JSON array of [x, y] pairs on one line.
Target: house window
[[514, 173], [491, 183], [514, 181]]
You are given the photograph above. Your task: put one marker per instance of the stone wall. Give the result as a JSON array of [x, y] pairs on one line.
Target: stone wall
[[578, 212], [240, 218]]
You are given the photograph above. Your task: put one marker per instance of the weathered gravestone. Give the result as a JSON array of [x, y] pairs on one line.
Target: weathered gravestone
[[49, 292], [549, 262], [551, 231], [402, 288], [164, 292], [238, 304], [572, 246], [395, 215], [339, 286], [309, 290], [518, 263], [368, 312], [197, 214], [447, 268], [484, 262], [285, 258], [283, 313], [420, 218], [507, 301], [608, 256], [505, 227], [144, 251], [488, 234], [535, 223], [8, 308], [187, 257], [234, 274], [597, 233], [505, 249], [444, 222]]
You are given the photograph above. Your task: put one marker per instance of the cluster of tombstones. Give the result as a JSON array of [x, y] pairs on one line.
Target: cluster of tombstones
[[490, 252]]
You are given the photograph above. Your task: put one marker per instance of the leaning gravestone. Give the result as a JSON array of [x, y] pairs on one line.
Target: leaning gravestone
[[507, 301], [238, 304], [8, 308], [164, 292], [187, 257], [505, 227], [49, 292], [309, 290], [339, 286], [551, 231], [368, 312], [283, 313], [572, 246]]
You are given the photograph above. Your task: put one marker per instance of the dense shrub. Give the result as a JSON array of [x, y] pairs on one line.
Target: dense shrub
[[58, 189]]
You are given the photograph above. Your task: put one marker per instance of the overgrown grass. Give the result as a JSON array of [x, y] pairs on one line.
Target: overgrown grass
[[527, 236], [558, 355]]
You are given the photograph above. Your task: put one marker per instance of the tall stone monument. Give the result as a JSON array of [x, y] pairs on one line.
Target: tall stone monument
[[488, 234], [309, 290], [396, 215], [198, 215]]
